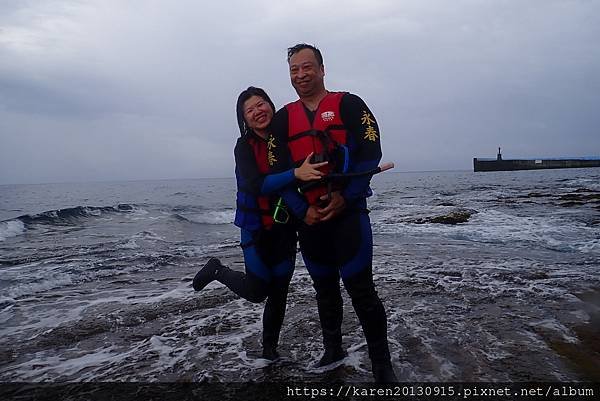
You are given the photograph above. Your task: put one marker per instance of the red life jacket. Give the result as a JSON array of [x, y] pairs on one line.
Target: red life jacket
[[259, 148], [321, 137]]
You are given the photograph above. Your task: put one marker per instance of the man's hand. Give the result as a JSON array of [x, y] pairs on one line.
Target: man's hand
[[313, 216], [335, 206]]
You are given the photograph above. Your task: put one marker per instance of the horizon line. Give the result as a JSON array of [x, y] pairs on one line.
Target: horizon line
[[194, 178]]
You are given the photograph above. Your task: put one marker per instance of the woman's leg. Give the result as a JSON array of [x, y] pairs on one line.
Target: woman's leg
[[253, 285], [278, 250], [274, 314]]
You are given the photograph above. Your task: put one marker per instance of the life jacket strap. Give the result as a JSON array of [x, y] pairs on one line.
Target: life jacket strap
[[310, 132], [255, 210]]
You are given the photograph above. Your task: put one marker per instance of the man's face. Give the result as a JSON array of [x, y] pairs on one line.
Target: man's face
[[306, 74]]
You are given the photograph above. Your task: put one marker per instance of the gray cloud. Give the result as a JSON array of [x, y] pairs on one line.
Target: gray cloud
[[127, 90]]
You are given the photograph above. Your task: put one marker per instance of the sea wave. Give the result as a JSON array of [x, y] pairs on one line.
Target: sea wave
[[48, 282], [213, 217], [492, 226], [592, 246], [72, 214], [11, 228], [6, 308], [583, 183]]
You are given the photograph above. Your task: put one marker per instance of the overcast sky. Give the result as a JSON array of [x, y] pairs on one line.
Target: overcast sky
[[120, 90]]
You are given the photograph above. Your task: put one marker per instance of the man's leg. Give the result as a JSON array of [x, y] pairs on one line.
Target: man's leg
[[330, 306], [373, 319], [358, 280], [319, 259]]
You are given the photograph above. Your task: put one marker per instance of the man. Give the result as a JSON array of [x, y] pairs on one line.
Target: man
[[336, 238]]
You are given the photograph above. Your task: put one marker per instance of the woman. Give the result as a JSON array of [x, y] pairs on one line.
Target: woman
[[269, 247]]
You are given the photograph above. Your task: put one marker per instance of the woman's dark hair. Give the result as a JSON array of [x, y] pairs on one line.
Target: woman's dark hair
[[245, 95]]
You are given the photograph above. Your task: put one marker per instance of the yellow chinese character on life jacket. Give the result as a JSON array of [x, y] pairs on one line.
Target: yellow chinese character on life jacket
[[367, 119], [371, 134], [271, 158], [271, 142]]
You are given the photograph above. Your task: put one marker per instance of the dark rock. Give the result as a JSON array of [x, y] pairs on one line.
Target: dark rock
[[454, 217]]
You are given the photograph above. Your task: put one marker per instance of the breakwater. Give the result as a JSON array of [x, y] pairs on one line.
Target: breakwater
[[500, 164]]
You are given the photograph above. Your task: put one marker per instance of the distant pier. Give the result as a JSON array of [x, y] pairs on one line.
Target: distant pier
[[500, 164]]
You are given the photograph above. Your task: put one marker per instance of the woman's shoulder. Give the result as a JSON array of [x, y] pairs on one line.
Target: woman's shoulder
[[243, 150], [241, 143]]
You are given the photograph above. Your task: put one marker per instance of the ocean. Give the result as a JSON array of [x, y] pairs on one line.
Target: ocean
[[484, 277]]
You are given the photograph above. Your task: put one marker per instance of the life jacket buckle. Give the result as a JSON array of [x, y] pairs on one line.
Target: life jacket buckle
[[280, 214]]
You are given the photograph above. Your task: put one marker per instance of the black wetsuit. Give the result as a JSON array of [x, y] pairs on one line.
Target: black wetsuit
[[343, 246], [269, 254]]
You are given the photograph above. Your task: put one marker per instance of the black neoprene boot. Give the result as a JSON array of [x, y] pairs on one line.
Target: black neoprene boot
[[207, 274], [273, 316], [270, 352], [332, 354], [373, 319], [330, 306], [383, 372]]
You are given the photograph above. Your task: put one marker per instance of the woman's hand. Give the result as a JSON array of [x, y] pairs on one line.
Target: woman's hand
[[308, 171]]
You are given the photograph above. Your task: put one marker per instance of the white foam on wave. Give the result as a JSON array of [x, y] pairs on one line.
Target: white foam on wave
[[117, 362], [11, 228], [168, 354], [35, 278], [6, 309], [49, 282], [357, 354], [138, 211], [592, 246], [44, 316], [589, 183], [148, 235], [232, 325], [92, 211], [209, 249], [411, 317], [130, 244], [553, 326], [493, 226], [42, 367], [181, 291], [212, 217], [220, 334]]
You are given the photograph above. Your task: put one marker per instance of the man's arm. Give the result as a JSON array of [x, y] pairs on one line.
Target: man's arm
[[364, 143]]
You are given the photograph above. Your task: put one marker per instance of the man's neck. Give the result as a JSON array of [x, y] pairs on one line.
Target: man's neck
[[312, 101]]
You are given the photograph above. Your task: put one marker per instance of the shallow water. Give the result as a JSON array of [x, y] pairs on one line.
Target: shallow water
[[95, 282]]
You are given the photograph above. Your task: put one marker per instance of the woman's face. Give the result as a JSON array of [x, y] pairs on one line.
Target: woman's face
[[258, 114]]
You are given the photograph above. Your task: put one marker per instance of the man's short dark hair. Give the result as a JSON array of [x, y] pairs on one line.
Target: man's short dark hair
[[301, 46]]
